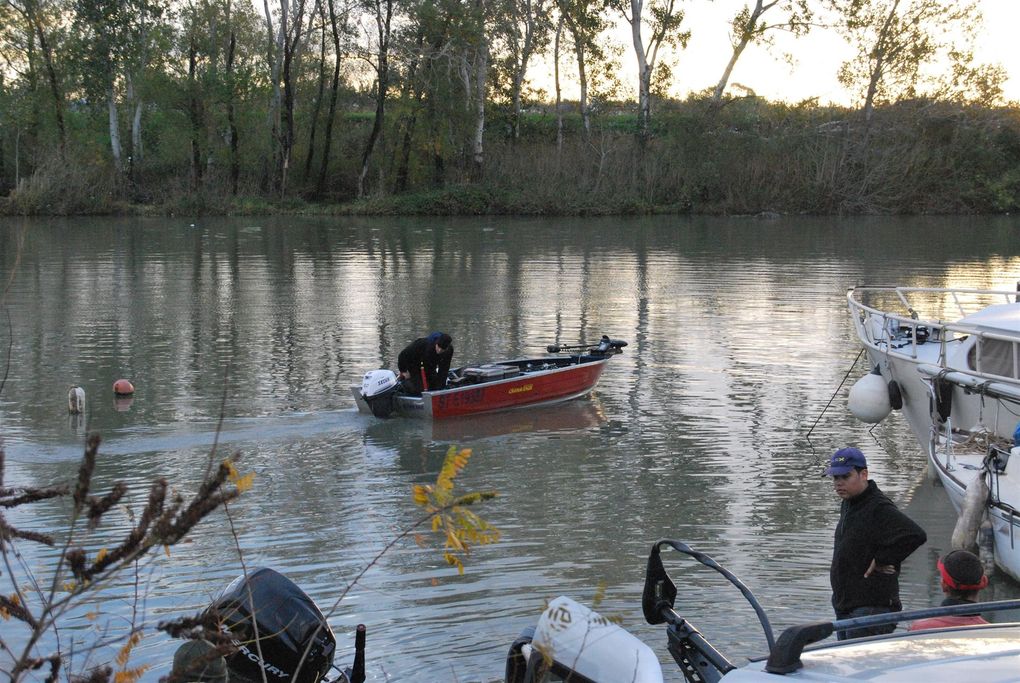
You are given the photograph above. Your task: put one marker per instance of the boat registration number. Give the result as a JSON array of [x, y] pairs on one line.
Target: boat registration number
[[462, 398]]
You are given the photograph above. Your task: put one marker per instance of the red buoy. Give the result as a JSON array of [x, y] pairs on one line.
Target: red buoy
[[122, 387]]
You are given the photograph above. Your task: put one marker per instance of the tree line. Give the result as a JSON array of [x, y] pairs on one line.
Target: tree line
[[432, 106]]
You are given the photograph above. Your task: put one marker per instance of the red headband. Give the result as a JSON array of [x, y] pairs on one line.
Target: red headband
[[955, 585]]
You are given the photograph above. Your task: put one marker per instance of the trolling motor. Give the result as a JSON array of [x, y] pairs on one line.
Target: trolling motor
[[606, 346], [279, 631], [699, 661]]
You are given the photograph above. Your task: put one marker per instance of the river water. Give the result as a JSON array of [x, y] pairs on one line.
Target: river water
[[711, 428]]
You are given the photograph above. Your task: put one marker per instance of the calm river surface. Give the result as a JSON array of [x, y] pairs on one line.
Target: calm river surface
[[739, 336]]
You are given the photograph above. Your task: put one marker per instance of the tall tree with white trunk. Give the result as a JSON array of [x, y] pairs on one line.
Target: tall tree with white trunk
[[663, 19]]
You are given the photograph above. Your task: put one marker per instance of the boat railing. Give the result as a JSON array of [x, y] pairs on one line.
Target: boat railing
[[700, 661], [784, 658], [901, 334]]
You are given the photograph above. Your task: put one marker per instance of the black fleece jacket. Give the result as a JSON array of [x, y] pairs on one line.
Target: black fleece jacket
[[870, 528], [421, 354]]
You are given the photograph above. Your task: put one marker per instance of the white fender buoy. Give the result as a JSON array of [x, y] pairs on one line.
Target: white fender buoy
[[76, 400], [869, 398], [972, 513]]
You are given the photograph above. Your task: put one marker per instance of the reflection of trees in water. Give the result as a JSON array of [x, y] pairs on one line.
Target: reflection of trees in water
[[738, 331]]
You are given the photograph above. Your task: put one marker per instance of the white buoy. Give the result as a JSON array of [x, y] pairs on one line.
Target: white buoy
[[76, 400], [869, 398]]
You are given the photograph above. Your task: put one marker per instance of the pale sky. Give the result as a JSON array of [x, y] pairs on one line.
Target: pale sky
[[817, 57]]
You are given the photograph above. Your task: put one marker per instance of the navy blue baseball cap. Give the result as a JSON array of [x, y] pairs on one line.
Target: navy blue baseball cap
[[844, 461]]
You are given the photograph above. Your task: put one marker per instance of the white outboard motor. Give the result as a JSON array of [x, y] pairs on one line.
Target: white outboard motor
[[379, 389]]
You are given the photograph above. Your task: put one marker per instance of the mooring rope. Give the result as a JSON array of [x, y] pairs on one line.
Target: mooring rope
[[842, 382]]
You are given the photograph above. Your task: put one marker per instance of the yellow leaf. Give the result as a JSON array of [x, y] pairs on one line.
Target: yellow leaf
[[92, 616], [130, 675], [453, 540], [100, 555], [244, 483], [15, 600], [166, 549], [231, 470]]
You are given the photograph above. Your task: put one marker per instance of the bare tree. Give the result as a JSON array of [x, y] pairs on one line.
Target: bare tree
[[522, 28], [274, 61], [480, 54], [382, 12], [293, 43], [37, 19], [231, 96], [748, 27], [896, 39], [664, 19], [337, 23], [320, 90]]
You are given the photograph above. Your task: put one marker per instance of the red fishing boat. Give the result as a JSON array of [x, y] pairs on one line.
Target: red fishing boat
[[488, 387]]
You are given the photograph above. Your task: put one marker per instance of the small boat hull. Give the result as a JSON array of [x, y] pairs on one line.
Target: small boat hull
[[956, 472], [537, 382]]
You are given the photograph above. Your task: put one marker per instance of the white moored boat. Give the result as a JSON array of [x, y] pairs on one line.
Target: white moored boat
[[950, 360], [573, 643]]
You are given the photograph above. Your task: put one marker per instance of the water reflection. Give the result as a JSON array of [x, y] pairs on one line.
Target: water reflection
[[738, 336]]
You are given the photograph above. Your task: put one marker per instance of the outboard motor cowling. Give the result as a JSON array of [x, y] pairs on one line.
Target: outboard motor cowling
[[294, 641], [379, 389]]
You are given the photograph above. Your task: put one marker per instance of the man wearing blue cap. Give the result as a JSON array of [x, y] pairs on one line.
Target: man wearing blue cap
[[872, 538]]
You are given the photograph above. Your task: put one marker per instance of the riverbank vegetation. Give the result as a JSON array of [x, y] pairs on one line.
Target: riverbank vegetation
[[401, 107]]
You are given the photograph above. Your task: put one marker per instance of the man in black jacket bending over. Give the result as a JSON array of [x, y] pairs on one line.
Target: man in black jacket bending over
[[425, 362], [872, 538]]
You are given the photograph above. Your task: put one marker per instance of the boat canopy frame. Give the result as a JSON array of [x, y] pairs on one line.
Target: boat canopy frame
[[891, 333]]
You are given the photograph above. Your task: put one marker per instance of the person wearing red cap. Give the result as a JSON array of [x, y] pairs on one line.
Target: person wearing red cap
[[962, 578], [872, 538]]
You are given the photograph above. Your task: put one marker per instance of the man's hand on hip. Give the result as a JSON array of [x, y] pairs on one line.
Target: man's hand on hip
[[879, 568]]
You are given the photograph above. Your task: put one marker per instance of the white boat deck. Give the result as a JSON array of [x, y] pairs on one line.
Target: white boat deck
[[927, 325]]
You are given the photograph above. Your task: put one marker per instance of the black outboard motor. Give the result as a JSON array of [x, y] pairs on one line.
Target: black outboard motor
[[379, 389], [608, 346], [294, 642]]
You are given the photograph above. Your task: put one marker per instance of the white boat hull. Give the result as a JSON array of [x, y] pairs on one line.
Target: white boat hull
[[960, 386]]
